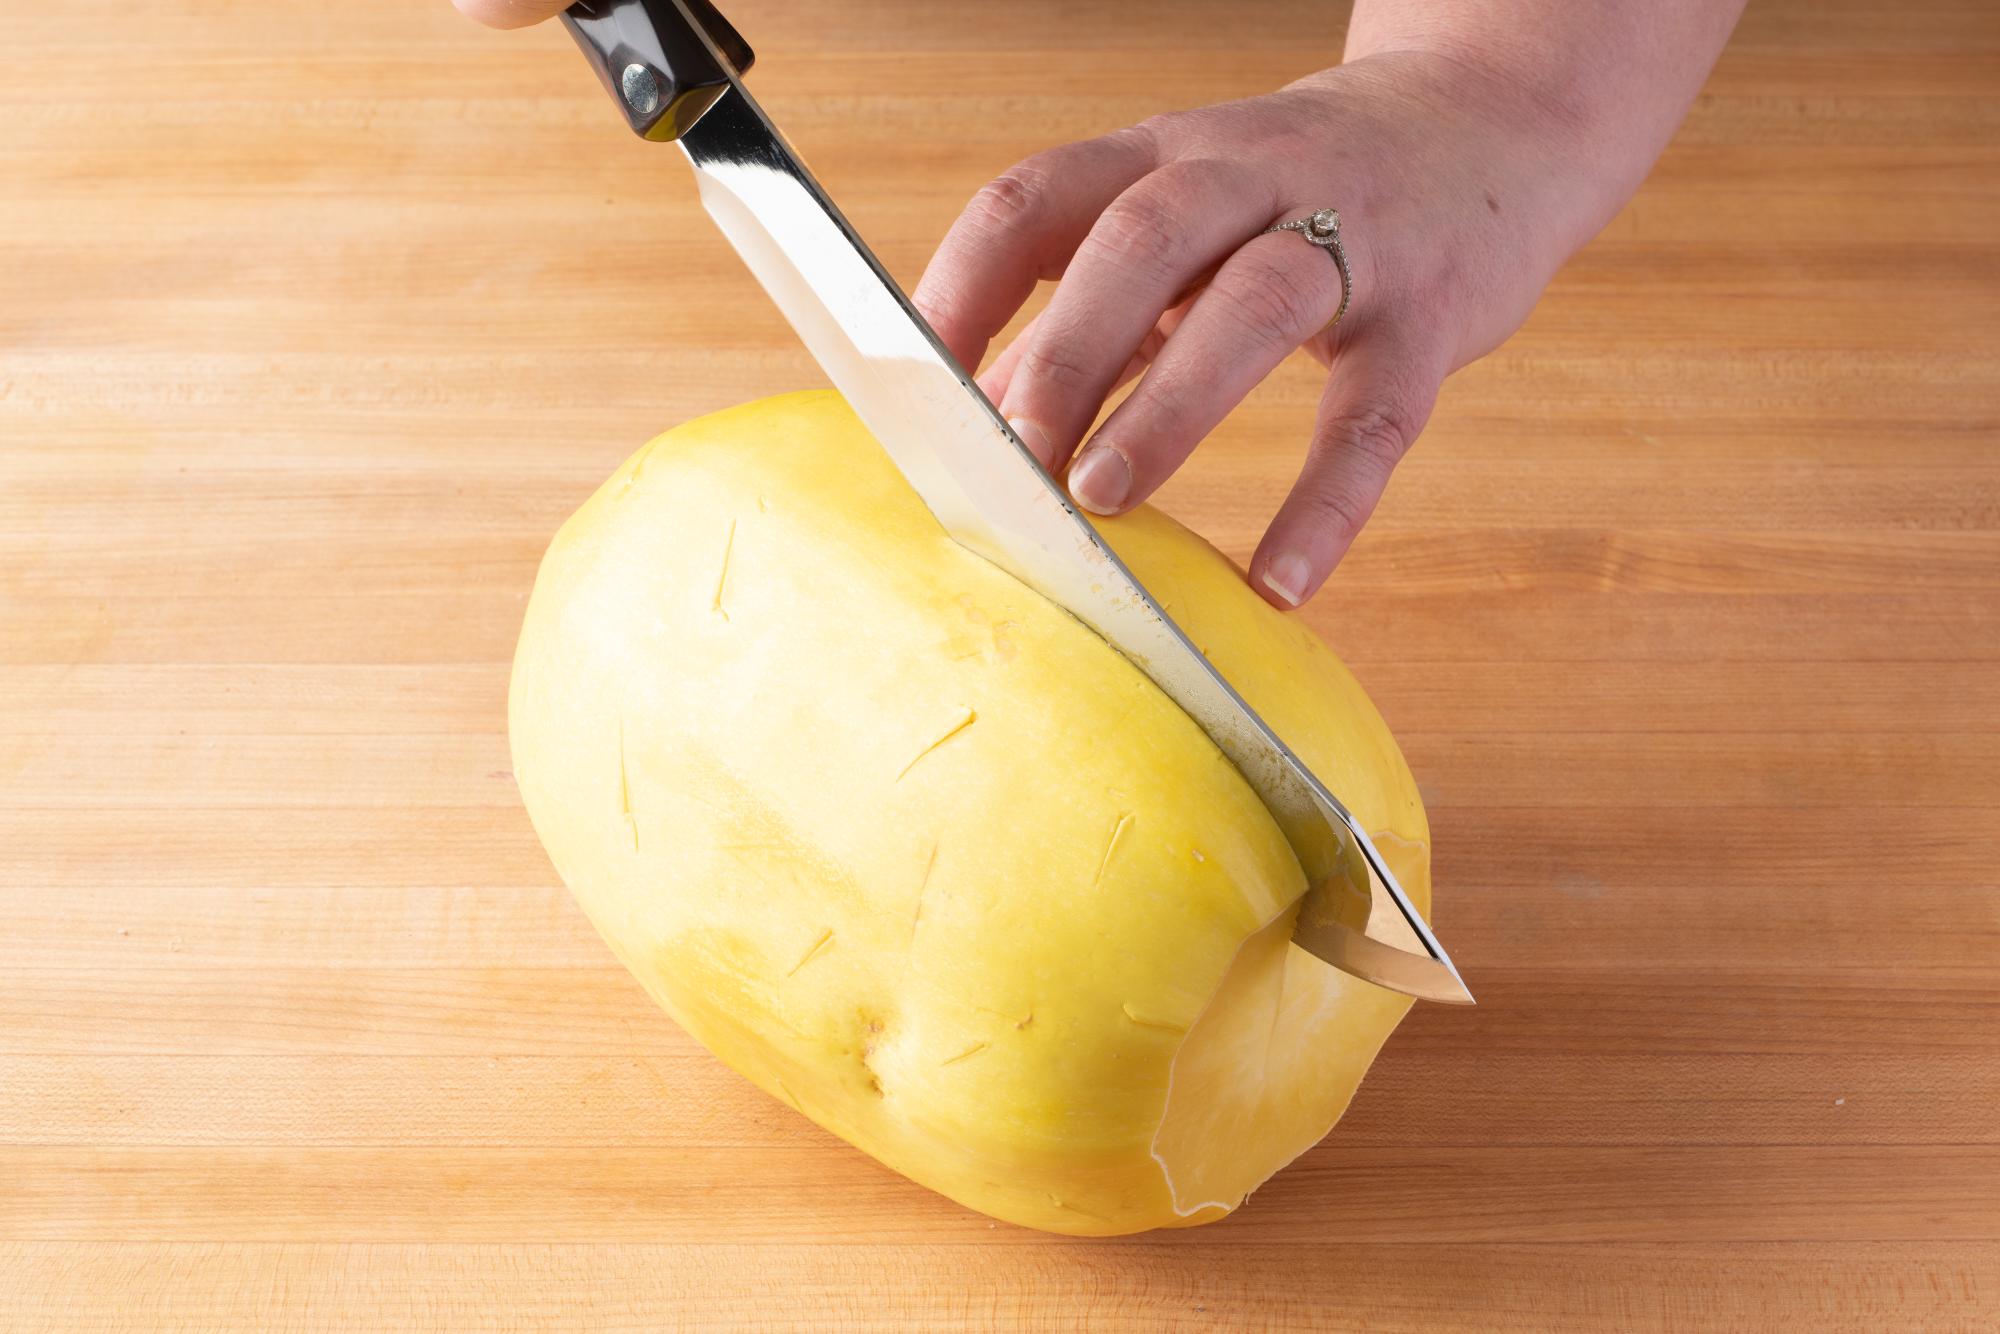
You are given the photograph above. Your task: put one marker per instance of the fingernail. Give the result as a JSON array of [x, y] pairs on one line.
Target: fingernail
[[1101, 480], [1289, 577], [1036, 439]]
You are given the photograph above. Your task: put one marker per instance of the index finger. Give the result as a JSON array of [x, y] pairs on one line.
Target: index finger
[[1021, 228], [510, 13]]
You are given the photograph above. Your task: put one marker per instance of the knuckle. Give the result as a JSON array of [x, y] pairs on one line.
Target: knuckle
[[1379, 433], [1336, 509], [1270, 301], [945, 303], [1010, 201], [1160, 128], [1141, 229], [1142, 140], [1057, 363], [1167, 407]]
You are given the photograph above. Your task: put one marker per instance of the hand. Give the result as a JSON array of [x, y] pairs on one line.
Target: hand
[[1456, 209], [1470, 150], [511, 13]]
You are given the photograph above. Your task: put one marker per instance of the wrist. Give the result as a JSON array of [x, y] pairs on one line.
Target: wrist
[[1543, 137]]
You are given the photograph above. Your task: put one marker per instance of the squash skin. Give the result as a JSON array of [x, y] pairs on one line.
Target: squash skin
[[918, 854]]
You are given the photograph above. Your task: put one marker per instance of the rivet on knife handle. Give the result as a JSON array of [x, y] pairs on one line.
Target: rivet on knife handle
[[651, 58]]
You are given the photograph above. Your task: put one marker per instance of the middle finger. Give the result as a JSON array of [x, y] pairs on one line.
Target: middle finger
[[1143, 253]]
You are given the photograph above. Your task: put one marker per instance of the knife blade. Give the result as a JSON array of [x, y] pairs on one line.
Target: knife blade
[[675, 67]]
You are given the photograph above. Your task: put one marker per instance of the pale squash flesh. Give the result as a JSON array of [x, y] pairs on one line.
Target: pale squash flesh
[[916, 852]]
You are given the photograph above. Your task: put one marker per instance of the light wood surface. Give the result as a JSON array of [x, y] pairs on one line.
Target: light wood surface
[[315, 320]]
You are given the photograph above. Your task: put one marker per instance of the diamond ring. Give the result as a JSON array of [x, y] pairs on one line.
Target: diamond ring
[[1323, 230]]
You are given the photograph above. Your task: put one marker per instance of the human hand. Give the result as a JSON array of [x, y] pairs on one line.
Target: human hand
[[511, 13], [1458, 202], [1469, 149]]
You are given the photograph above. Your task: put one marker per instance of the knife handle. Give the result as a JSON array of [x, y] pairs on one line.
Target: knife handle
[[658, 58]]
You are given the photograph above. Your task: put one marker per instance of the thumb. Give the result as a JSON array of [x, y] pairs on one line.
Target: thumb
[[510, 13]]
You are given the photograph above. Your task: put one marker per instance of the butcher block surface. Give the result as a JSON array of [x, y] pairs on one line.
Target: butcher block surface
[[317, 319]]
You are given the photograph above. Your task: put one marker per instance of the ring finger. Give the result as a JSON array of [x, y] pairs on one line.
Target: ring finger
[[1021, 228]]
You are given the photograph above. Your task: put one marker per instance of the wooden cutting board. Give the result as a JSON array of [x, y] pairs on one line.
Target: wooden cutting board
[[315, 320]]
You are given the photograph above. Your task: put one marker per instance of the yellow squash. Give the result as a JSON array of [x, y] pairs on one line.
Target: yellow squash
[[919, 854]]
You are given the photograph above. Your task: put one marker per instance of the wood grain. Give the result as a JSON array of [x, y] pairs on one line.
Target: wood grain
[[1687, 612]]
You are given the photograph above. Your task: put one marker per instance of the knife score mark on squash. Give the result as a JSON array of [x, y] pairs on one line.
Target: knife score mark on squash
[[923, 890], [1118, 828], [638, 466], [722, 578], [625, 787], [1148, 1021], [1004, 1016], [966, 1055], [1060, 1203], [971, 717], [825, 939]]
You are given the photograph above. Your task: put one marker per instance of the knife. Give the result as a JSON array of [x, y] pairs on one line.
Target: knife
[[675, 69]]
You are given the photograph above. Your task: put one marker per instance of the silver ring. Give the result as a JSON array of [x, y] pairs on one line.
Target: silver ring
[[1323, 230]]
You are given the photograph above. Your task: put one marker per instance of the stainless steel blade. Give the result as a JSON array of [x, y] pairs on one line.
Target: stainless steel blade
[[993, 497]]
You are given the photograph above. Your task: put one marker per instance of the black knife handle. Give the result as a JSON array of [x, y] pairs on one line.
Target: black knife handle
[[651, 58]]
